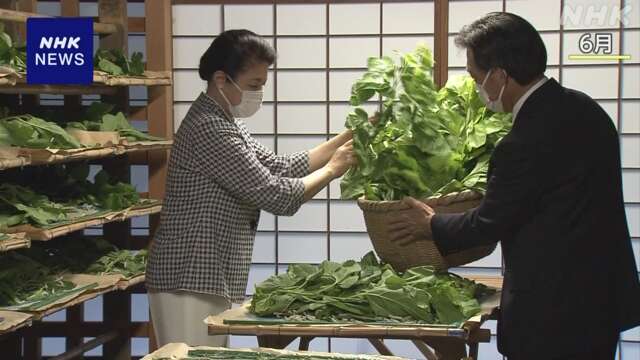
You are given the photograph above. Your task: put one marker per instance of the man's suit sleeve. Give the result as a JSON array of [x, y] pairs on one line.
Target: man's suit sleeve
[[508, 203]]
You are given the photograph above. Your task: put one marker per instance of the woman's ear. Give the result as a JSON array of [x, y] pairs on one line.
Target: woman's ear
[[219, 78]]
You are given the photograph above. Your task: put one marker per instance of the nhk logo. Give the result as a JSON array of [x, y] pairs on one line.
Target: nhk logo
[[59, 50]]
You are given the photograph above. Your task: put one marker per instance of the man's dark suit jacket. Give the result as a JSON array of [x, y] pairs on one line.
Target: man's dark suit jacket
[[554, 201]]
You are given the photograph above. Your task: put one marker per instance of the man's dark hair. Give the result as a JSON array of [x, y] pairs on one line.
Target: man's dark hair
[[506, 41], [233, 51]]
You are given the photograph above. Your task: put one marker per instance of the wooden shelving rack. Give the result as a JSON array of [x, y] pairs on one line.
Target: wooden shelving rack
[[113, 26]]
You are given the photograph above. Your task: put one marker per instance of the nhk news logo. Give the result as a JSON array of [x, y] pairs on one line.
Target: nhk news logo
[[597, 45], [60, 51]]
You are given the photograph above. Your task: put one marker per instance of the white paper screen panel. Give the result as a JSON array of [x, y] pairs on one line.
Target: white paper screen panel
[[302, 86], [188, 50], [348, 52], [195, 19], [463, 12], [302, 118], [542, 14], [302, 53], [599, 82], [257, 18], [289, 16], [407, 18], [630, 117], [302, 247], [342, 18]]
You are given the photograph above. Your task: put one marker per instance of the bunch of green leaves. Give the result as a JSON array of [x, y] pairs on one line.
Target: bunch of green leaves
[[115, 62], [426, 141], [11, 54], [24, 280], [89, 256], [367, 291], [20, 205], [99, 117], [69, 184], [29, 131], [4, 237]]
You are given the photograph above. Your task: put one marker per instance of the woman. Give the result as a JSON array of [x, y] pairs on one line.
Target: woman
[[219, 179]]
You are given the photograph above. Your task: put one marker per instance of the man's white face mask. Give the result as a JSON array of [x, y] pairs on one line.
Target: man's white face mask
[[250, 101], [495, 105]]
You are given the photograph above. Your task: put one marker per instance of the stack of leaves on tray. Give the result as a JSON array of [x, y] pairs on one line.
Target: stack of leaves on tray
[[368, 291], [115, 62], [99, 117], [21, 205], [27, 284], [88, 256], [229, 354], [11, 54], [31, 132], [426, 141], [64, 194]]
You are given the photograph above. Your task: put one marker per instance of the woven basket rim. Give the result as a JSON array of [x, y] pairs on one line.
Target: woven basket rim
[[465, 195]]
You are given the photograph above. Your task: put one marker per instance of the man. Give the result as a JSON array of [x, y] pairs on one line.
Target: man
[[554, 201]]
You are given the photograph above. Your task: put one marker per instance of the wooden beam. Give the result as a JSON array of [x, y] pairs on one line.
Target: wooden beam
[[22, 16]]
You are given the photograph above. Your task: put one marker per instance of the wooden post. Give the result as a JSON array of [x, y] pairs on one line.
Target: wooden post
[[72, 106], [117, 305], [160, 107], [441, 42]]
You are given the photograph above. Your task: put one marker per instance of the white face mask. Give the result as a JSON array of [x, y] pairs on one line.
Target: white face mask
[[250, 102], [495, 105]]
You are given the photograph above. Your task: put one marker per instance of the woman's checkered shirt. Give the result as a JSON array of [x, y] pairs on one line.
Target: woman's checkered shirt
[[218, 181]]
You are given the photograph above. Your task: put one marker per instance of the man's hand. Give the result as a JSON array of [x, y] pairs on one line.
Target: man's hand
[[411, 225]]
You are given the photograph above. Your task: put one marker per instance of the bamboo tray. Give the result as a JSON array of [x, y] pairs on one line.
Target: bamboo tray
[[15, 241], [150, 78], [18, 157], [12, 320], [89, 283], [240, 321], [179, 351], [56, 230]]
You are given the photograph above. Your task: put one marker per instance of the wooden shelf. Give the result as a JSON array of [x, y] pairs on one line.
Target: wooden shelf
[[40, 234], [25, 157], [13, 320], [22, 16], [21, 319], [119, 286], [14, 242], [103, 84]]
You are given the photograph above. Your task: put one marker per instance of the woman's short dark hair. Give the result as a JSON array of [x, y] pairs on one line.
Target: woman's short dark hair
[[233, 51], [506, 41]]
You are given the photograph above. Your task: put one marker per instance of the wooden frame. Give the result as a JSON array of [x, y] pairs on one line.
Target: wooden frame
[[113, 25]]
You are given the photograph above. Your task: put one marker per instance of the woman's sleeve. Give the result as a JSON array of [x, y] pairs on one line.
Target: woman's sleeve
[[224, 156]]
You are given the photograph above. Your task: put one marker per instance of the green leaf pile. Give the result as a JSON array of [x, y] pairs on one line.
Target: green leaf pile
[[28, 131], [115, 62], [88, 256], [229, 354], [99, 118], [426, 141], [29, 284], [19, 205], [368, 291], [12, 55]]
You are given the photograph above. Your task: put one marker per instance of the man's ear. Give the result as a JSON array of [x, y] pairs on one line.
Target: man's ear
[[219, 78]]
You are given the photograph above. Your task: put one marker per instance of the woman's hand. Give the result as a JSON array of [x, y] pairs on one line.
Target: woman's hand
[[342, 159]]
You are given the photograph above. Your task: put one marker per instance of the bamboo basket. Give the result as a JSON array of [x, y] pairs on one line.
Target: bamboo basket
[[424, 252]]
